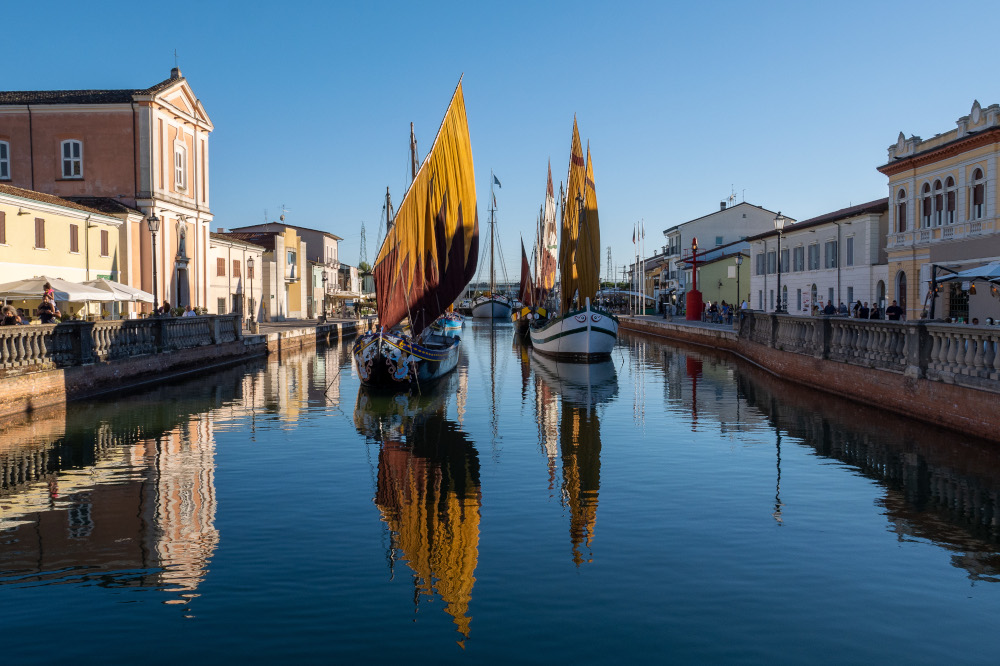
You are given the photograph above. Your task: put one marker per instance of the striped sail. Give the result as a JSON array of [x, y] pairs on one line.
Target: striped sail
[[431, 251]]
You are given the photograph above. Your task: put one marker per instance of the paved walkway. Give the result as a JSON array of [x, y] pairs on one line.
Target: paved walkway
[[681, 321], [292, 324]]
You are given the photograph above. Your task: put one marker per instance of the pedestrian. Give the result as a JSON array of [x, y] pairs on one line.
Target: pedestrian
[[829, 309], [47, 292], [188, 312], [10, 316], [47, 311], [164, 309], [857, 309], [863, 312], [894, 312], [842, 309]]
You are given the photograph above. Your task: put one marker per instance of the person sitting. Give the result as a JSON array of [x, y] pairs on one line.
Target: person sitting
[[188, 312], [164, 309]]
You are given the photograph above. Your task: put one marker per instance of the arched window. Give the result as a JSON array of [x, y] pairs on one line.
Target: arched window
[[978, 195], [901, 211], [72, 159], [949, 200], [925, 205], [938, 203]]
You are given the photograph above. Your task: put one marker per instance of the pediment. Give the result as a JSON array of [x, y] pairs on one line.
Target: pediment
[[181, 98]]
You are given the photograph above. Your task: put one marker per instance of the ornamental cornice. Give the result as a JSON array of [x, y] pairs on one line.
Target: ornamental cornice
[[940, 153]]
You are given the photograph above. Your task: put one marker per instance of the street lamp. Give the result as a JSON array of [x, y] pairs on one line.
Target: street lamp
[[325, 279], [253, 307], [739, 299], [153, 224], [779, 225]]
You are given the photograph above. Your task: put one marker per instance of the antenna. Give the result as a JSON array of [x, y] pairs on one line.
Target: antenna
[[175, 58], [610, 274], [363, 258], [283, 211]]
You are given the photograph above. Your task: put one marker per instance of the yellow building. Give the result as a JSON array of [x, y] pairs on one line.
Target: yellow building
[[943, 210], [41, 234]]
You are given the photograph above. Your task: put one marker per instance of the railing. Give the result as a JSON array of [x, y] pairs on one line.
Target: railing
[[953, 353], [46, 346]]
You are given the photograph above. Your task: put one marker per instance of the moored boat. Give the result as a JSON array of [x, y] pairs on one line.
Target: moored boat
[[581, 332], [492, 305], [428, 256]]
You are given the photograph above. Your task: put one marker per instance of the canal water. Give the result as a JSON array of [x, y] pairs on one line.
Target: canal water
[[671, 505]]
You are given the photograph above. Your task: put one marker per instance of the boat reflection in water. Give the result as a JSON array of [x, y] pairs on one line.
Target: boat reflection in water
[[581, 387], [427, 491]]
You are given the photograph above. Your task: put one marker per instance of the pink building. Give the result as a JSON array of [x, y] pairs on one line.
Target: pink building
[[144, 149]]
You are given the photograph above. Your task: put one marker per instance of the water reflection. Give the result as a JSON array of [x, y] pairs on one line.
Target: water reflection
[[581, 387], [427, 491]]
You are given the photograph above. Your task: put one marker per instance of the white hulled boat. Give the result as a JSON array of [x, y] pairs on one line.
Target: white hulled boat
[[581, 331], [492, 305]]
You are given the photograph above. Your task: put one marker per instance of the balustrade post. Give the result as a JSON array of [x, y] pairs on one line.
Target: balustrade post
[[86, 329], [821, 337], [161, 339], [216, 329], [917, 348]]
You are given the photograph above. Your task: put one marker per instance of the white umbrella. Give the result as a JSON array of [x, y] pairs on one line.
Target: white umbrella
[[989, 272], [120, 292], [63, 290]]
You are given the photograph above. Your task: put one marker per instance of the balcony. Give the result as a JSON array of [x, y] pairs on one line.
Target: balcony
[[970, 229]]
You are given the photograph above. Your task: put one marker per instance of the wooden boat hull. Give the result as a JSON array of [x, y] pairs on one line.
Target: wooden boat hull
[[397, 362], [585, 335], [491, 308]]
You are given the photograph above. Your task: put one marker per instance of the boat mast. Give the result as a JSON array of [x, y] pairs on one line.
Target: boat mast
[[413, 155], [493, 209]]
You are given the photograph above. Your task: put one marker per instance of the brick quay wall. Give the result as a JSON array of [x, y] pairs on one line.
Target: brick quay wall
[[944, 374]]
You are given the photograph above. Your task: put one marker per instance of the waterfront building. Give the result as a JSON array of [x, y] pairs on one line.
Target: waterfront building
[[319, 247], [145, 149], [717, 278], [41, 234], [838, 257], [283, 265], [721, 232], [232, 274], [944, 212]]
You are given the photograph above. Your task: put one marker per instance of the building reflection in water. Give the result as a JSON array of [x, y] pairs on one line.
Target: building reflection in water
[[119, 492], [581, 387], [428, 492], [938, 485]]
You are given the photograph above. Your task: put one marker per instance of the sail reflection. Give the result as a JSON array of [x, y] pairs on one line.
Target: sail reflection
[[428, 492], [581, 388]]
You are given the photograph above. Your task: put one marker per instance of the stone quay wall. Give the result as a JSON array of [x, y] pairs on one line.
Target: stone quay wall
[[45, 365], [301, 338], [948, 374]]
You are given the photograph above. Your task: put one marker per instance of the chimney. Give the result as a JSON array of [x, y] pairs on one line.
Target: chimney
[[722, 205], [175, 73]]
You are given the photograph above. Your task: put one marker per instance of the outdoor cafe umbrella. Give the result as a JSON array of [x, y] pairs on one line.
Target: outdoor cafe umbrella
[[64, 290], [987, 272], [120, 292]]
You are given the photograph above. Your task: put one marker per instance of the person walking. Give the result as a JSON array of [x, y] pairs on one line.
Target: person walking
[[863, 312], [894, 312], [47, 311]]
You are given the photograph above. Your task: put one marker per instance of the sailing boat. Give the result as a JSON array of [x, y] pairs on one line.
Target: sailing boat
[[535, 293], [492, 305], [428, 256], [582, 332]]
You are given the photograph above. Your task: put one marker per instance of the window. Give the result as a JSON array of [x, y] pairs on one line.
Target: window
[[798, 299], [938, 203], [978, 194], [718, 240], [770, 299], [760, 263], [39, 233], [105, 250], [829, 295], [220, 268], [850, 294], [3, 228], [925, 205], [72, 159], [291, 257], [180, 165], [830, 254], [850, 250], [760, 299], [799, 259], [814, 257], [784, 260], [949, 201], [236, 268], [901, 211], [4, 160], [222, 306], [74, 238], [772, 267]]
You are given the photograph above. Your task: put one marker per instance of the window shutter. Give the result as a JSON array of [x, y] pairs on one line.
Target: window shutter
[[74, 238], [220, 267], [3, 228], [236, 267], [104, 243], [39, 232]]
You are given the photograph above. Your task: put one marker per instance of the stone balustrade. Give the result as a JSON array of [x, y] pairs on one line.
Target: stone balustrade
[[47, 346], [951, 353]]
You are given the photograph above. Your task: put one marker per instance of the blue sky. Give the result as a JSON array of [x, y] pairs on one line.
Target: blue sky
[[792, 104]]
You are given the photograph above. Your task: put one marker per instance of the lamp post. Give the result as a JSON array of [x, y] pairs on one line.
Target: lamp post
[[153, 224], [253, 307], [779, 225], [739, 298], [325, 279]]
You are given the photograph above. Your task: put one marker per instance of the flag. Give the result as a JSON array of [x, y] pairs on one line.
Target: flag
[[497, 181], [633, 235]]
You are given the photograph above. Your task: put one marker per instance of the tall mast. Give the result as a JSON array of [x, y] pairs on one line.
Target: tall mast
[[413, 154], [493, 209], [388, 211]]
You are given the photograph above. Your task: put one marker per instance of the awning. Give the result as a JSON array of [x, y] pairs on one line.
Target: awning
[[63, 290]]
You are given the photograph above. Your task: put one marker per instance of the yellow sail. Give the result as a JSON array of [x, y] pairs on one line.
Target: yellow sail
[[588, 248], [431, 251], [570, 222]]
